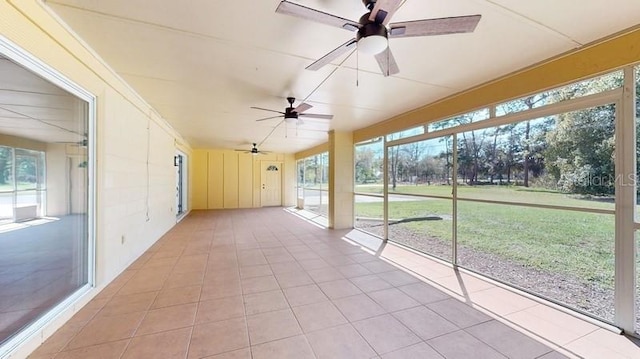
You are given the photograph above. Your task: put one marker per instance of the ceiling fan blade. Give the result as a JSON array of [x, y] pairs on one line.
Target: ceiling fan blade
[[268, 118], [383, 10], [302, 108], [387, 63], [266, 109], [431, 27], [315, 115], [326, 59], [289, 8]]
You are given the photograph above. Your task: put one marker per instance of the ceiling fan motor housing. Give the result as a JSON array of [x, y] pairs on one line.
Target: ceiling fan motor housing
[[369, 4], [370, 28], [290, 113]]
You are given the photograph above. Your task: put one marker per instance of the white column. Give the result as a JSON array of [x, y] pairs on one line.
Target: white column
[[340, 180]]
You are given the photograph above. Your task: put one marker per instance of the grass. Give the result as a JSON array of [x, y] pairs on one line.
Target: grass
[[576, 243], [496, 193]]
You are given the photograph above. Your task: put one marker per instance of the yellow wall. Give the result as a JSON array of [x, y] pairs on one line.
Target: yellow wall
[[590, 60], [135, 180], [230, 179]]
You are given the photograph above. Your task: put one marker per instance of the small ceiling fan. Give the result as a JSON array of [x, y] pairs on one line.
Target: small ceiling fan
[[292, 114], [254, 150], [373, 30]]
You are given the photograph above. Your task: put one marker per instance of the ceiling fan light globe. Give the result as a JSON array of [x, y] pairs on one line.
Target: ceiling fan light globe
[[372, 38], [372, 45], [291, 120]]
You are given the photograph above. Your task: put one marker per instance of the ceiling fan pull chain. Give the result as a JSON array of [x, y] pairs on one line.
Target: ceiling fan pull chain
[[357, 66]]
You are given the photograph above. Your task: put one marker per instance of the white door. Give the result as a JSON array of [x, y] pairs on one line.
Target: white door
[[271, 187]]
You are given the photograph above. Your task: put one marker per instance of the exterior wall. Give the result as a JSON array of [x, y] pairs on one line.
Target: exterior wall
[[135, 180], [230, 179]]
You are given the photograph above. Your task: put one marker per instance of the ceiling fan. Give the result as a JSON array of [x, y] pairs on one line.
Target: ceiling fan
[[292, 114], [254, 150], [373, 30]]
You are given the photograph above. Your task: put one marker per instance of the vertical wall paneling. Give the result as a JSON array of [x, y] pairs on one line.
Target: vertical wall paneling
[[215, 180], [200, 169], [230, 174], [245, 180]]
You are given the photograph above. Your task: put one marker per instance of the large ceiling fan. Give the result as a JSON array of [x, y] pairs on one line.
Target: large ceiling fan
[[373, 30], [254, 150], [292, 114]]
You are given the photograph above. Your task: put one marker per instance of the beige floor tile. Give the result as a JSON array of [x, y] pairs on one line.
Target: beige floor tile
[[318, 316], [59, 339], [286, 267], [508, 341], [554, 332], [424, 322], [458, 313], [128, 304], [106, 329], [353, 270], [255, 271], [461, 345], [304, 295], [270, 326], [370, 283], [219, 337], [424, 293], [605, 344], [176, 280], [339, 342], [289, 348], [112, 350], [177, 296], [393, 299], [265, 302], [166, 345], [501, 301], [236, 354], [358, 307], [220, 309], [416, 351], [293, 279], [259, 284], [169, 318], [220, 290], [385, 333], [339, 289], [398, 278]]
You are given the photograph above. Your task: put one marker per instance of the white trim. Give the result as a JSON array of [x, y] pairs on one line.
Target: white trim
[[625, 241], [39, 68], [594, 100]]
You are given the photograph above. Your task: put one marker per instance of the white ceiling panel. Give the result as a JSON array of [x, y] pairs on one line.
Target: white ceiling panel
[[203, 63]]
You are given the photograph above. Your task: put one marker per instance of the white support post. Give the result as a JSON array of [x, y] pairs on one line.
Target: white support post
[[385, 189], [625, 244]]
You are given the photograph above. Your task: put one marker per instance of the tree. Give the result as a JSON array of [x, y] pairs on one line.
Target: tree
[[580, 151]]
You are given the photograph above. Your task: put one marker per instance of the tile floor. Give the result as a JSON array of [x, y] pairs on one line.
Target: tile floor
[[264, 283]]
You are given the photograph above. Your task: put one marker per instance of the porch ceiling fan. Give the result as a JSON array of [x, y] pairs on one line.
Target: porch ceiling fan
[[254, 150], [373, 30], [294, 114]]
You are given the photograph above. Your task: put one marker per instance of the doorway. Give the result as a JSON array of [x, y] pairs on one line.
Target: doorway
[[271, 187], [180, 163]]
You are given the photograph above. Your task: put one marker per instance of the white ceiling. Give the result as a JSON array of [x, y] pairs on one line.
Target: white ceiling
[[202, 63]]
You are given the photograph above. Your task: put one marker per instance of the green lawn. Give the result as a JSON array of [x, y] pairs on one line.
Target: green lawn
[[576, 243], [498, 193]]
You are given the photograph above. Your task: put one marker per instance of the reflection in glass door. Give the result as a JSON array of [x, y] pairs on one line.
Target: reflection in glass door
[[44, 199]]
